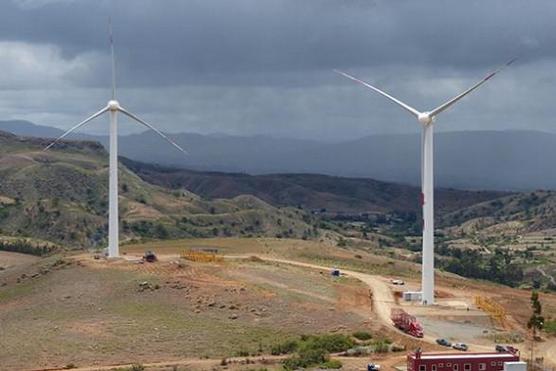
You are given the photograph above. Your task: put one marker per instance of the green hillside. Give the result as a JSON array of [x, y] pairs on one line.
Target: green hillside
[[61, 196]]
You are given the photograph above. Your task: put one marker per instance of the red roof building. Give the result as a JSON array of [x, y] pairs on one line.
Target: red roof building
[[419, 361]]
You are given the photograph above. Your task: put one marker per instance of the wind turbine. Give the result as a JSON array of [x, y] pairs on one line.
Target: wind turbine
[[113, 107], [427, 119]]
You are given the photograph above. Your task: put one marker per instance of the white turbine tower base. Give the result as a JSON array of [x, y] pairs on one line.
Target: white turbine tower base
[[113, 107], [426, 119], [427, 199]]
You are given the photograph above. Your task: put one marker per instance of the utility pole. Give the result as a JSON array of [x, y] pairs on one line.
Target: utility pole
[[536, 322], [532, 366]]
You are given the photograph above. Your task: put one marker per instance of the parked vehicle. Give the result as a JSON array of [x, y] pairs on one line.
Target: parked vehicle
[[335, 272], [373, 367], [460, 346], [443, 342], [406, 322], [506, 349], [397, 282], [150, 257]]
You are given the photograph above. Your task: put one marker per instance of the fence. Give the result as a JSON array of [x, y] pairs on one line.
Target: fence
[[494, 310], [201, 256]]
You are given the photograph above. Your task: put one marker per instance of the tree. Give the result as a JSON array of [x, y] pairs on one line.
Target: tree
[[536, 321]]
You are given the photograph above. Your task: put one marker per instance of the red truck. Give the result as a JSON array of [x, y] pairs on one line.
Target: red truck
[[406, 322]]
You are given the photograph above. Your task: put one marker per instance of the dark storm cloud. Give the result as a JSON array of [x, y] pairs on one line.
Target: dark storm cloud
[[168, 41], [264, 66]]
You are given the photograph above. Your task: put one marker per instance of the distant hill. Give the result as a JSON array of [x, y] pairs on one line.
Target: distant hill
[[61, 196], [310, 191], [26, 128], [500, 160], [519, 213]]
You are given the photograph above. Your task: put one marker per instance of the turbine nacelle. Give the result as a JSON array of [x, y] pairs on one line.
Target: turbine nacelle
[[113, 105], [425, 118]]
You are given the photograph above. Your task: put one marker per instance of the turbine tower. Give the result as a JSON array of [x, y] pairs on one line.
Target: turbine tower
[[113, 107], [427, 119]]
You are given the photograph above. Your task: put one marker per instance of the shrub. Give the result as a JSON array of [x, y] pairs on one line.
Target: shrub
[[381, 346], [362, 335], [314, 350], [397, 348], [161, 231], [288, 346], [359, 351], [550, 326], [306, 358], [333, 364], [243, 353], [25, 247], [330, 343]]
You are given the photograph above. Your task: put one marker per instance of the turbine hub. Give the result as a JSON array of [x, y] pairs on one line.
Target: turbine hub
[[113, 105], [425, 118]]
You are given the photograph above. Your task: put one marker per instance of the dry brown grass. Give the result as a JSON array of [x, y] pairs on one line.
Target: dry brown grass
[[92, 307]]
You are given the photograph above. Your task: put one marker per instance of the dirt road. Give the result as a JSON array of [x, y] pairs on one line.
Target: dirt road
[[383, 300], [546, 275], [190, 363], [14, 259], [548, 348]]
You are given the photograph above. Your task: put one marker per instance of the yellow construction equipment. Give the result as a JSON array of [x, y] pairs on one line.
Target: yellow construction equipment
[[494, 310], [201, 256]]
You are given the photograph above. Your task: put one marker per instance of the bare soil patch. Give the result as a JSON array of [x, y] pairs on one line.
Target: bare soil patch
[[14, 259]]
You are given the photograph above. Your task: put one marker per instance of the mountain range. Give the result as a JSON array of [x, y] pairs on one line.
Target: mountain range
[[497, 160], [316, 192]]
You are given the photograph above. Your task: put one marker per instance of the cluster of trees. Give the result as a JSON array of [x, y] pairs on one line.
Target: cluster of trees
[[311, 351], [26, 247], [499, 266], [146, 228]]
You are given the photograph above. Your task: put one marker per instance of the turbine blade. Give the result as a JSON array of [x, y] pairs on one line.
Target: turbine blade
[[113, 58], [407, 107], [75, 128], [448, 104], [131, 115]]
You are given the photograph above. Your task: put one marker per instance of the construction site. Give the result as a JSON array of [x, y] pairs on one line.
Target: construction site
[[243, 297]]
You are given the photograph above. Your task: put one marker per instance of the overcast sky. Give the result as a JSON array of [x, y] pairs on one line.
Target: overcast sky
[[265, 66]]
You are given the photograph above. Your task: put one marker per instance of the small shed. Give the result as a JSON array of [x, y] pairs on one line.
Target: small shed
[[412, 295]]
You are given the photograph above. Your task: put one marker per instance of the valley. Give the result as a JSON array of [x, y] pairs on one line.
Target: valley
[[277, 185]]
